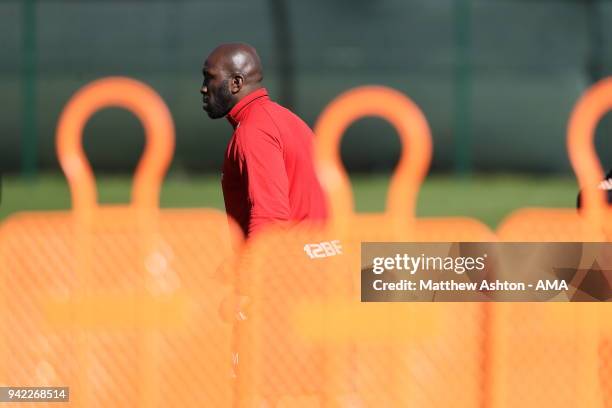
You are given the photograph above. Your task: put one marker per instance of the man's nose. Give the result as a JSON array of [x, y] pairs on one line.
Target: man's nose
[[203, 90]]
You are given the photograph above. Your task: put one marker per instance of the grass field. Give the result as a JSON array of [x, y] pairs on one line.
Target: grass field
[[488, 198]]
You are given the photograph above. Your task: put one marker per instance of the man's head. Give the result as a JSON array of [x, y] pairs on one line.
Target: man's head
[[231, 72]]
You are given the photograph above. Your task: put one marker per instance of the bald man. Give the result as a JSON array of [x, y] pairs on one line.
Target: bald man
[[268, 172]]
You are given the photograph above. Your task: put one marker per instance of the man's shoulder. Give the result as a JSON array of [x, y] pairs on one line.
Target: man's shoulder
[[260, 117], [275, 109], [270, 110], [252, 127], [273, 119], [252, 132], [285, 119]]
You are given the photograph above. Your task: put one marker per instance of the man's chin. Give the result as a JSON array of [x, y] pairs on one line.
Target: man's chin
[[212, 115], [216, 115]]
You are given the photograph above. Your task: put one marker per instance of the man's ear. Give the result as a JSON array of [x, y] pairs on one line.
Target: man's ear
[[236, 83]]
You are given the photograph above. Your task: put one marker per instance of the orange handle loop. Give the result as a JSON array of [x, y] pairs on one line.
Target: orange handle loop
[[589, 110], [415, 137], [148, 107]]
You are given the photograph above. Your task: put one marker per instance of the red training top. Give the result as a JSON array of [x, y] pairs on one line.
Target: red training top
[[268, 172]]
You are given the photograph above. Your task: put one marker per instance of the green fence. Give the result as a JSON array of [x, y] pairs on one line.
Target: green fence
[[496, 79]]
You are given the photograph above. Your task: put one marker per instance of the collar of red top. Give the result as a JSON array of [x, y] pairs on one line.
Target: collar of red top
[[238, 111]]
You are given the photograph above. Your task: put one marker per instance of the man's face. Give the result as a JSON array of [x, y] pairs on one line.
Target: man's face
[[216, 95]]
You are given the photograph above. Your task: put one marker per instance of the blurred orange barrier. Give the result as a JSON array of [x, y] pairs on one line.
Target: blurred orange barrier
[[593, 223], [564, 338], [120, 303], [277, 363], [307, 340], [399, 220], [408, 373]]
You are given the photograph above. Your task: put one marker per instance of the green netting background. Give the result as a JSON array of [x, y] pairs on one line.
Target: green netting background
[[498, 78]]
